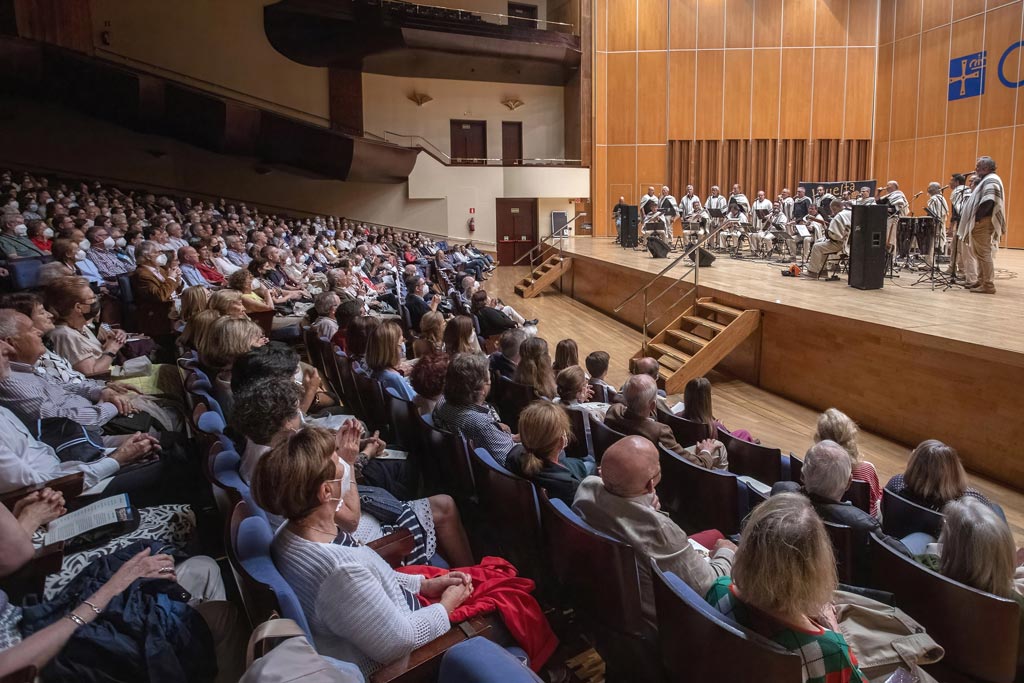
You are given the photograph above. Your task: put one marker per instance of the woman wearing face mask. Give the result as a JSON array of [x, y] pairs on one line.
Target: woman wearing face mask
[[152, 280], [65, 253], [40, 234]]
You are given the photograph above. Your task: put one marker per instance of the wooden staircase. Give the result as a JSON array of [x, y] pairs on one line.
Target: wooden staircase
[[543, 276], [695, 342]]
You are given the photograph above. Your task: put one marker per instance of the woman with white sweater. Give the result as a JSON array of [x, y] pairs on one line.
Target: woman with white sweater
[[359, 609]]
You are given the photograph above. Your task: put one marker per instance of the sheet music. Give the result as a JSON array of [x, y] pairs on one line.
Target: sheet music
[[802, 230], [102, 512]]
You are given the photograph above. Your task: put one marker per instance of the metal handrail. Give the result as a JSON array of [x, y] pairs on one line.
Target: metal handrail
[[695, 269], [449, 160], [560, 235], [538, 22]]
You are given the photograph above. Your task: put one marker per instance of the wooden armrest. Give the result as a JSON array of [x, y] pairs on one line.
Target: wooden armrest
[[70, 485], [394, 547], [102, 376], [423, 663], [26, 675], [32, 577]]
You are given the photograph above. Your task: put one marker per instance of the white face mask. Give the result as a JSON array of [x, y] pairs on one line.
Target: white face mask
[[109, 243], [473, 340], [256, 284], [161, 260], [84, 244], [48, 233], [121, 242], [79, 255], [402, 354], [33, 207], [131, 250], [346, 484], [288, 261], [21, 230]]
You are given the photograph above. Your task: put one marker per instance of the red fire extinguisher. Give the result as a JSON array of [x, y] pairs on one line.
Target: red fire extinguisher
[[472, 224]]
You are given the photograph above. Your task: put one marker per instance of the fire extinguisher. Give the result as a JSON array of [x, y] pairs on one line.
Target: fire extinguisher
[[472, 224]]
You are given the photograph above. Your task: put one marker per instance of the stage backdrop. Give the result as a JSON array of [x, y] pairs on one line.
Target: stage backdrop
[[837, 187]]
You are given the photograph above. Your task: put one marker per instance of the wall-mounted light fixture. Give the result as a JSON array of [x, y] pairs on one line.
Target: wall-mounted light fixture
[[420, 98], [513, 103]]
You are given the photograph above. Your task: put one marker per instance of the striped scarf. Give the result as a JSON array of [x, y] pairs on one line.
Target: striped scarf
[[989, 188]]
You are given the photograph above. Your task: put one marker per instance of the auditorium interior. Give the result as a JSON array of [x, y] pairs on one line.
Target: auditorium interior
[[377, 341]]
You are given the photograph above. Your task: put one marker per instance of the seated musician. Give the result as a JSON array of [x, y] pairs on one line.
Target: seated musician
[[734, 229], [834, 241], [762, 241], [799, 239]]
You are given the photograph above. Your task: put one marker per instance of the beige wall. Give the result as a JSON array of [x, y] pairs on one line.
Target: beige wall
[[216, 45], [386, 107], [547, 205], [920, 135], [85, 146]]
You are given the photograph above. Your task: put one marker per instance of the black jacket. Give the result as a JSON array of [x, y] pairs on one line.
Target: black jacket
[[493, 321], [417, 309], [503, 366]]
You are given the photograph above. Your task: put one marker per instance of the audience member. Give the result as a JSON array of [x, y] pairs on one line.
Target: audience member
[[102, 253], [254, 301], [934, 477], [463, 408], [575, 394], [460, 336], [622, 502], [697, 408], [534, 368], [193, 300], [597, 363], [416, 301], [347, 311], [544, 433], [385, 352], [505, 360], [357, 335], [427, 381], [152, 280], [566, 355], [228, 303], [226, 340], [834, 425], [431, 339], [326, 306]]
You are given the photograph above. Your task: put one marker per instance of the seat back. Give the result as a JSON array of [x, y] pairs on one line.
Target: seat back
[[842, 538], [697, 498], [579, 445], [859, 494], [978, 630], [687, 432], [346, 376], [750, 459], [446, 462], [371, 395], [311, 341], [602, 393], [510, 399], [264, 591], [510, 504], [902, 517], [330, 369], [265, 319], [601, 437], [479, 660], [698, 643], [402, 418], [152, 318], [24, 272], [597, 573]]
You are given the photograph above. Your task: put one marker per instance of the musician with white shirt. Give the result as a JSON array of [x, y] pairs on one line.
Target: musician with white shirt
[[786, 200], [716, 202], [834, 241], [648, 203], [737, 197], [864, 198], [734, 229], [898, 207], [669, 209]]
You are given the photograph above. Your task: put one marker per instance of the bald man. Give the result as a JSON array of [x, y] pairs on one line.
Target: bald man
[[636, 416], [621, 502]]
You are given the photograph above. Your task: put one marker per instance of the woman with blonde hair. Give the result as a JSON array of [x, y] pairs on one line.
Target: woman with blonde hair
[[544, 432], [193, 300], [384, 359], [535, 367], [431, 339], [226, 340], [228, 302], [196, 330], [783, 577], [934, 477], [460, 336], [834, 425]]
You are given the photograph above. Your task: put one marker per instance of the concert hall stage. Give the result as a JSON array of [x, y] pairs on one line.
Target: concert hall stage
[[908, 363]]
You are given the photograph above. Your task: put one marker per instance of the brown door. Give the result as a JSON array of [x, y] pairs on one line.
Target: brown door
[[517, 228], [519, 15], [469, 142], [512, 142], [583, 225]]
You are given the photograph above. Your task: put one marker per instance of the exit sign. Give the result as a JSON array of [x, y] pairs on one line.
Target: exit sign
[[472, 210]]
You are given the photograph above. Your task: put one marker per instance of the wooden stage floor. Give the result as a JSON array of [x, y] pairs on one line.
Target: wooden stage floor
[[957, 315]]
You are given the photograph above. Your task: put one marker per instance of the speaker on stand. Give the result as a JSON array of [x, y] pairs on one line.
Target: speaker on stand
[[867, 247], [630, 223]]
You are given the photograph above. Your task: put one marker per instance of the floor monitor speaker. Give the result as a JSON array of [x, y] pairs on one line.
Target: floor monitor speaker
[[705, 256], [658, 247]]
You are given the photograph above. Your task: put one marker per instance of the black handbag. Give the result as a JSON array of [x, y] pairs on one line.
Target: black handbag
[[381, 504], [70, 440]]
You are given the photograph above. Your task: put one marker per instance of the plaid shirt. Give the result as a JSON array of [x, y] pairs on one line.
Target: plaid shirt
[[826, 656], [107, 262], [479, 423]]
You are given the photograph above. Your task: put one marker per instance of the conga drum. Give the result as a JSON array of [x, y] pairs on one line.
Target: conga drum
[[904, 236]]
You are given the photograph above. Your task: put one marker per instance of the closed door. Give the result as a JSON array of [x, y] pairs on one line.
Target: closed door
[[583, 225], [512, 142], [520, 14], [469, 142], [517, 228]]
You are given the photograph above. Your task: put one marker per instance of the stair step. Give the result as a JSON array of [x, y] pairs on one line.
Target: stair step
[[710, 324], [671, 352], [688, 337], [720, 308], [664, 372], [520, 289]]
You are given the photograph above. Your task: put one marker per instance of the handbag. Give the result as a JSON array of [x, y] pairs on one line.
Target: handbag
[[292, 660], [380, 503], [70, 440]]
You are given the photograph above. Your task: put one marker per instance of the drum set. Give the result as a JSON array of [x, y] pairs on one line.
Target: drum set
[[920, 232]]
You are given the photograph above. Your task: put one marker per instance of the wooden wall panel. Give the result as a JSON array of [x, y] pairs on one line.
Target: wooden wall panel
[[766, 68], [710, 70], [966, 38], [621, 25], [711, 24], [862, 29], [768, 23], [683, 23], [601, 98], [859, 94], [883, 93], [997, 143], [652, 168], [1015, 188], [798, 23], [739, 23], [886, 21], [959, 156], [682, 85], [908, 17], [967, 8], [651, 107], [906, 59], [931, 113], [827, 114], [600, 25], [621, 98], [600, 202], [622, 170], [736, 115], [653, 29], [795, 110], [936, 13], [881, 166], [830, 19], [927, 167], [1002, 28], [901, 163]]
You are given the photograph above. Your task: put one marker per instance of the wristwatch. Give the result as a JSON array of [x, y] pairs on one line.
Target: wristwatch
[[110, 353]]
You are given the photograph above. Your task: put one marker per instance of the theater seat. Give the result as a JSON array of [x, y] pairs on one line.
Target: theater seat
[[902, 517], [479, 660], [601, 437], [699, 498]]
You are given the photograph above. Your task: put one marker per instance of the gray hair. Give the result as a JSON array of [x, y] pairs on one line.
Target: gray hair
[[326, 302], [826, 471], [511, 340], [466, 377], [9, 322], [639, 392], [988, 163], [146, 250]]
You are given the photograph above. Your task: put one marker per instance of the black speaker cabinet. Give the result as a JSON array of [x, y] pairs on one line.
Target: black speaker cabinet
[[706, 257], [867, 247], [630, 221], [658, 247]]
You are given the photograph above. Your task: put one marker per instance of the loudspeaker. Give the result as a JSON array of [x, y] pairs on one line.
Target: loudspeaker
[[630, 220], [706, 257], [658, 247], [867, 247]]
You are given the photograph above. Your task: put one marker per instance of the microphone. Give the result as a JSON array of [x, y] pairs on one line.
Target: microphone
[[944, 187], [918, 195]]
